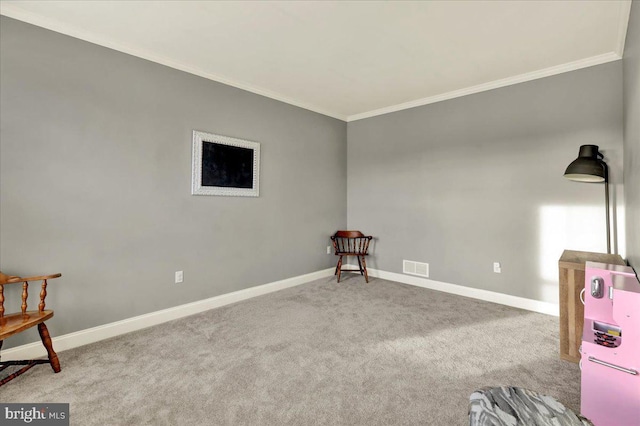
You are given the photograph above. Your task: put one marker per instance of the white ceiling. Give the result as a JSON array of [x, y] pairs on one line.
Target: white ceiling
[[349, 60]]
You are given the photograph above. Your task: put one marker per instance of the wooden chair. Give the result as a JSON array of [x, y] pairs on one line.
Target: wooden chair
[[20, 321], [351, 243]]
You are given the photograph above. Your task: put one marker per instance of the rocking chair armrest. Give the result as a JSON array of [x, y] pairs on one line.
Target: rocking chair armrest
[[6, 279], [40, 277]]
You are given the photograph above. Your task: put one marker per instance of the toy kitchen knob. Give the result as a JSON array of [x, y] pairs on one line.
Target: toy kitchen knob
[[597, 287]]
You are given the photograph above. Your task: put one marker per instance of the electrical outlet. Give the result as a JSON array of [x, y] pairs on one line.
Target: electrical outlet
[[497, 268], [179, 277], [328, 249]]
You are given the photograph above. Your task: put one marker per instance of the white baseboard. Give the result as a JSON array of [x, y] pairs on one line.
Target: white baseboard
[[95, 334], [475, 293]]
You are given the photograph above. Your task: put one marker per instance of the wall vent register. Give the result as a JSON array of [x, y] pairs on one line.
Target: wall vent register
[[415, 268]]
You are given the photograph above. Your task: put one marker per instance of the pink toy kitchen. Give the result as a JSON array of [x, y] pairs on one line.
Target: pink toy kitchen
[[610, 351]]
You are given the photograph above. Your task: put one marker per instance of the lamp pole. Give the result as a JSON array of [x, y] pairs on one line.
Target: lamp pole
[[606, 202]]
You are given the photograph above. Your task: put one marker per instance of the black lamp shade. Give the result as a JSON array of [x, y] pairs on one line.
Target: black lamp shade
[[587, 167]]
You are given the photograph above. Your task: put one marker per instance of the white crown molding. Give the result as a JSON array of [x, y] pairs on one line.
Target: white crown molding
[[496, 84], [623, 24], [14, 12], [102, 332]]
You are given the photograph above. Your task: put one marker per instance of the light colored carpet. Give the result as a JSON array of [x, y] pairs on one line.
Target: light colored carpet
[[318, 354]]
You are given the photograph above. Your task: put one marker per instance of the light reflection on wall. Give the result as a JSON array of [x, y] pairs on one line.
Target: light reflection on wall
[[575, 227], [569, 228]]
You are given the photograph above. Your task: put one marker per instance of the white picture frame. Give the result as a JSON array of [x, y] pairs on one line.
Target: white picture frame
[[225, 166]]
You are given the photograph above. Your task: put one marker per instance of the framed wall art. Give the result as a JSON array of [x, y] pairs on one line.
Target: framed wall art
[[224, 166]]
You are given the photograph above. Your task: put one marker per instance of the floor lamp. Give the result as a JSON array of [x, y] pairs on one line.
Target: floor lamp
[[590, 167]]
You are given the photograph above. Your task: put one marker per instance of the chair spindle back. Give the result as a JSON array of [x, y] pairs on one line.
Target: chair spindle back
[[353, 242]]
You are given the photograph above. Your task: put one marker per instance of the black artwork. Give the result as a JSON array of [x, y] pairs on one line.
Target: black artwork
[[226, 166]]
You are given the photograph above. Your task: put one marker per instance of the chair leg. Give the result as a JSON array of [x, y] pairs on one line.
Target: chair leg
[[46, 341], [339, 268], [364, 266], [360, 265]]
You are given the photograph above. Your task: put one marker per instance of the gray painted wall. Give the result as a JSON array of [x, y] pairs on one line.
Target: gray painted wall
[[95, 163], [631, 63], [95, 175], [466, 182]]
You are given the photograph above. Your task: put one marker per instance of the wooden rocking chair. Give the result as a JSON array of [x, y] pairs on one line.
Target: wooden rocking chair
[[20, 321], [351, 243]]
